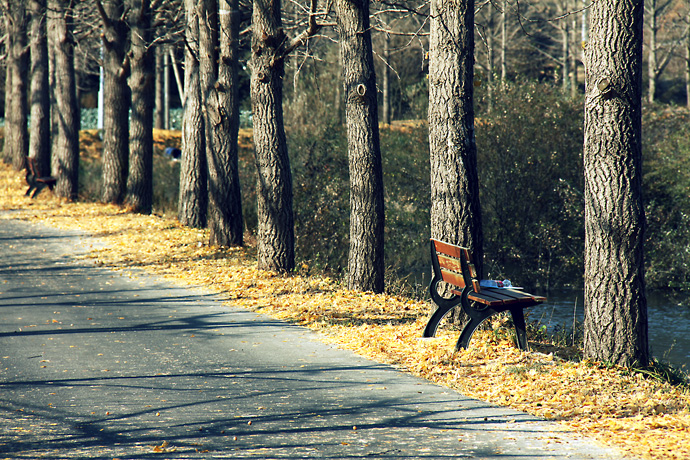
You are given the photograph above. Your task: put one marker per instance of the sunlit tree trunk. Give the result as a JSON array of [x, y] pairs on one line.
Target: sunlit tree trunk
[[158, 119], [65, 159], [7, 138], [116, 102], [652, 64], [141, 79], [193, 198], [39, 139], [17, 143], [275, 232], [365, 262], [222, 127], [565, 71], [687, 68], [504, 43], [455, 208], [576, 45], [386, 96], [615, 302], [490, 56]]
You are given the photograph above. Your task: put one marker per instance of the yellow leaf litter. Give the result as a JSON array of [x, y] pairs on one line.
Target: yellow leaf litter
[[638, 415]]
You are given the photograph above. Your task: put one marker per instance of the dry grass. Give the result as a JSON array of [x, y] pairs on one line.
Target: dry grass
[[639, 415]]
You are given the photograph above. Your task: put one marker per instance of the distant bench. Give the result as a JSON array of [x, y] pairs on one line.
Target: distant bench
[[36, 180], [453, 265]]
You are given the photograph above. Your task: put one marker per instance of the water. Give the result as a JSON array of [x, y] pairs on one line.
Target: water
[[669, 322]]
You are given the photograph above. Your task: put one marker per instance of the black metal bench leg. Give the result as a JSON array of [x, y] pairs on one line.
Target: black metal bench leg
[[520, 328], [432, 325], [468, 331], [37, 190]]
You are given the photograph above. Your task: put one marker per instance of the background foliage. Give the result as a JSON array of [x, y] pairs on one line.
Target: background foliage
[[529, 140]]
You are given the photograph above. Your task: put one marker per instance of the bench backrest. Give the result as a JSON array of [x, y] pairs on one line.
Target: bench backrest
[[455, 265]]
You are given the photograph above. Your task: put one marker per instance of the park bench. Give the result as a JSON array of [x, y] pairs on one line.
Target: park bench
[[453, 265], [36, 180]]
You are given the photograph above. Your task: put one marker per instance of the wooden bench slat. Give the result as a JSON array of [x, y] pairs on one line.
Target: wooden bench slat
[[448, 249], [453, 278], [521, 295], [490, 298], [450, 264]]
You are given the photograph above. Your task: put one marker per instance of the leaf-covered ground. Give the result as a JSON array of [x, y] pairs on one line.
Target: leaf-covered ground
[[639, 415]]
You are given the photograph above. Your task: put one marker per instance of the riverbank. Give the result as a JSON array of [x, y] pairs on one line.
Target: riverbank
[[639, 415]]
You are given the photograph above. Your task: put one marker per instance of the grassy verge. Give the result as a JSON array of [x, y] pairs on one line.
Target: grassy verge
[[641, 415]]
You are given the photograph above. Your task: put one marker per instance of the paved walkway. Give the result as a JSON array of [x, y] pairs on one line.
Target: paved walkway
[[95, 364]]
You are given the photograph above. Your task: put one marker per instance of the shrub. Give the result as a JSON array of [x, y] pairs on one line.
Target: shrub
[[531, 183]]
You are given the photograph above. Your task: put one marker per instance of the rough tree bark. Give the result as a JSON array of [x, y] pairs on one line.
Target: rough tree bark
[[140, 179], [116, 101], [17, 143], [455, 207], [222, 126], [65, 159], [275, 232], [39, 139], [366, 256], [615, 303], [193, 198], [159, 111], [7, 141]]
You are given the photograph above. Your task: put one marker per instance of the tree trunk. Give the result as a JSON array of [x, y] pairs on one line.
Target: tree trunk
[[366, 256], [7, 140], [222, 127], [575, 46], [166, 90], [455, 208], [615, 302], [275, 232], [386, 96], [116, 103], [490, 57], [17, 145], [141, 79], [158, 120], [687, 67], [193, 199], [504, 43], [65, 160], [652, 61], [565, 36], [39, 140]]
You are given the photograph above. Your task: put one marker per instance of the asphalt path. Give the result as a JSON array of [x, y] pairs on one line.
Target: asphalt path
[[97, 363]]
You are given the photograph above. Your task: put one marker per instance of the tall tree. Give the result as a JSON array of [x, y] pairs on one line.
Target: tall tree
[[455, 207], [7, 139], [65, 159], [17, 143], [219, 63], [39, 139], [159, 110], [365, 261], [140, 178], [659, 55], [193, 197], [116, 100], [615, 302], [687, 64], [275, 232], [270, 46]]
